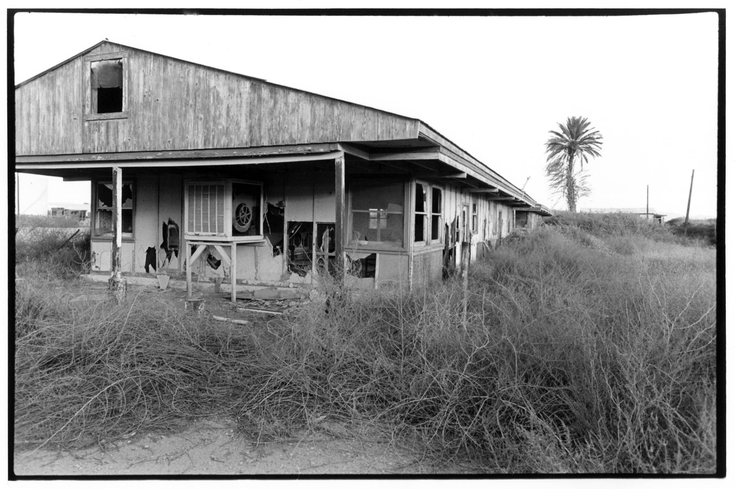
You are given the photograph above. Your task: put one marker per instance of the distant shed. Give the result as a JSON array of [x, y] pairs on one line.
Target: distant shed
[[641, 212]]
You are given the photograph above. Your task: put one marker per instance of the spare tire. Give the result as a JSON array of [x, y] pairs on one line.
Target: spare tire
[[242, 217]]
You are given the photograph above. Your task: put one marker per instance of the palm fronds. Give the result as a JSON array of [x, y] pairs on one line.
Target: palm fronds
[[574, 140]]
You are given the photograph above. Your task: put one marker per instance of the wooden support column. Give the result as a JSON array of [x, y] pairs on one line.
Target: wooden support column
[[233, 271], [188, 271], [117, 285], [339, 220]]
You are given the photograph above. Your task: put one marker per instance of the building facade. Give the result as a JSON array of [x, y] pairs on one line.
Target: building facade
[[221, 175]]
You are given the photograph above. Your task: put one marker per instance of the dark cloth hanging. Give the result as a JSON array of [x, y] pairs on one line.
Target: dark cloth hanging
[[107, 74], [150, 259]]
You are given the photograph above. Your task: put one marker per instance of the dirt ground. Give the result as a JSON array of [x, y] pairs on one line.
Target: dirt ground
[[215, 447]]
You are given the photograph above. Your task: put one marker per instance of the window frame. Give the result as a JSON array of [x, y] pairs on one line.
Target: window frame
[[228, 234], [428, 214], [375, 245], [90, 113], [424, 215], [96, 208], [440, 215]]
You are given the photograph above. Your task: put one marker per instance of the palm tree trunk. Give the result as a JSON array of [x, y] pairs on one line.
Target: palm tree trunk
[[571, 195]]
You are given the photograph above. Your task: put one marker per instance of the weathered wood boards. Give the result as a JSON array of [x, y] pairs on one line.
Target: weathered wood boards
[[176, 105]]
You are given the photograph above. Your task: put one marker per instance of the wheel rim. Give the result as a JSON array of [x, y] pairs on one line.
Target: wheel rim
[[243, 217]]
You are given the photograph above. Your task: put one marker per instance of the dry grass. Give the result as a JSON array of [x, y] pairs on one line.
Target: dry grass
[[581, 352]]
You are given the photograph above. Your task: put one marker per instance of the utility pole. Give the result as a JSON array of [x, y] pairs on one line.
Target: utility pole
[[646, 203], [689, 202]]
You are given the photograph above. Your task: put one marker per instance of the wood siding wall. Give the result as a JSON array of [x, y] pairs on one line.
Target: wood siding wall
[[174, 105], [48, 112]]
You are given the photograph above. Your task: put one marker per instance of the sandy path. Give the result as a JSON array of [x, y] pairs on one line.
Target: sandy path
[[214, 447]]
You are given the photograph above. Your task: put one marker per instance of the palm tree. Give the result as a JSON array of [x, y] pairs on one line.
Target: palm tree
[[575, 140]]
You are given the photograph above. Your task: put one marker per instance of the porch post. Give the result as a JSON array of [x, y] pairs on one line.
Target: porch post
[[339, 220], [117, 285]]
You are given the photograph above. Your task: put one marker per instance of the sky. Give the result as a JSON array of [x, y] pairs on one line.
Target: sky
[[495, 86]]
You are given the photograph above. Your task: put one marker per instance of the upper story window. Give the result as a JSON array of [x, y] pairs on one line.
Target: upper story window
[[106, 86]]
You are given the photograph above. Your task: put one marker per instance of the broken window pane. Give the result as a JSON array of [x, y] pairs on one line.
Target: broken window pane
[[299, 253], [103, 222], [325, 248], [107, 86]]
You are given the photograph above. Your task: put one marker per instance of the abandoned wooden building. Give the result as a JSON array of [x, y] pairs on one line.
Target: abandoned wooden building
[[201, 171]]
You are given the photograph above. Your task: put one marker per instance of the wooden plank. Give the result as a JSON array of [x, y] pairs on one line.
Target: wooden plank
[[200, 249], [108, 161], [353, 150], [188, 270], [423, 154], [116, 282], [484, 191], [225, 257], [117, 221], [233, 272]]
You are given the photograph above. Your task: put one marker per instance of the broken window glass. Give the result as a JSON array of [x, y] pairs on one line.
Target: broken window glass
[[325, 248], [103, 222], [273, 225], [107, 86], [300, 241]]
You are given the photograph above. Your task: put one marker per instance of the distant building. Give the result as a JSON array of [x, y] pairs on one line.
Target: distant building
[[74, 211], [651, 214]]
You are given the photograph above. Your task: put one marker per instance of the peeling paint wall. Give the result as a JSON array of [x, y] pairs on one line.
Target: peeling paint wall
[[102, 256], [427, 267]]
